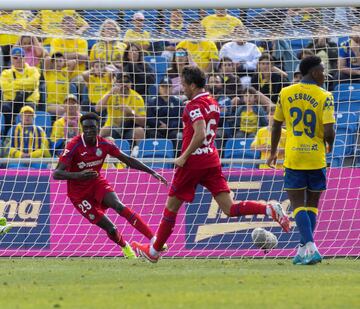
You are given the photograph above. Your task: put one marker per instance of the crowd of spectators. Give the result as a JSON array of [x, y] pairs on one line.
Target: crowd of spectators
[[62, 75]]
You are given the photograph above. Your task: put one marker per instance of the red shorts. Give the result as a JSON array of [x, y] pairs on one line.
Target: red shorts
[[186, 180], [89, 202]]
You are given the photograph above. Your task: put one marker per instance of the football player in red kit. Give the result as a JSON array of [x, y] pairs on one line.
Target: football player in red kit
[[80, 164], [199, 163]]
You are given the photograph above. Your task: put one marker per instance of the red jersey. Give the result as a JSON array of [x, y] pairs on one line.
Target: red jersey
[[201, 107], [78, 156]]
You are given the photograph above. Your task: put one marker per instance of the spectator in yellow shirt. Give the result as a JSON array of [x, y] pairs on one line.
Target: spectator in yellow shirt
[[220, 25], [137, 34], [13, 21], [262, 142], [57, 71], [109, 49], [98, 81], [249, 117], [68, 126], [49, 22], [27, 139], [19, 85], [126, 111], [203, 53], [71, 48]]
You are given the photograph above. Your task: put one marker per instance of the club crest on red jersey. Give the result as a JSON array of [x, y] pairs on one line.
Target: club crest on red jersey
[[99, 152]]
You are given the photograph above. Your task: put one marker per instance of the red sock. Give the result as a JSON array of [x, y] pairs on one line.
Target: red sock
[[117, 238], [135, 220], [165, 229], [247, 208]]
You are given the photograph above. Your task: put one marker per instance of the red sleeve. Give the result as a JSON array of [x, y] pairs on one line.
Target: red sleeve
[[68, 152], [113, 150], [194, 113]]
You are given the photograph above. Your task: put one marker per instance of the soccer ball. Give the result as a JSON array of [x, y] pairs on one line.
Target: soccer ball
[[264, 239]]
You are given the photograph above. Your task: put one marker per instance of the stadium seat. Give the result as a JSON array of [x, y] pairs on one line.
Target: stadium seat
[[298, 45], [346, 93], [123, 145], [253, 14], [190, 15], [336, 158], [2, 124], [157, 148], [159, 65], [43, 119], [239, 148], [346, 127]]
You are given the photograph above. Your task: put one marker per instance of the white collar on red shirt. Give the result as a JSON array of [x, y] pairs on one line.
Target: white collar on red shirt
[[83, 141], [200, 95]]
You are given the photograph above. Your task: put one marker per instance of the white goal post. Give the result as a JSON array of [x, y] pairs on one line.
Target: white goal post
[[278, 34], [171, 4]]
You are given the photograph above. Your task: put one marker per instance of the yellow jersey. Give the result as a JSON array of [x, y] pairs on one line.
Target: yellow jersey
[[58, 130], [98, 86], [217, 27], [201, 52], [114, 108], [140, 38], [305, 108], [57, 85], [31, 140], [263, 138], [11, 22], [28, 80], [108, 51], [49, 22], [248, 122], [79, 46]]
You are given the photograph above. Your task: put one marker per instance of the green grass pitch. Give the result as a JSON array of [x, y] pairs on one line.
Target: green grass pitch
[[118, 283]]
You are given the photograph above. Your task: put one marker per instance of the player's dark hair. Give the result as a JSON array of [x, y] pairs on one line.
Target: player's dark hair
[[91, 116], [266, 56], [194, 75], [308, 63]]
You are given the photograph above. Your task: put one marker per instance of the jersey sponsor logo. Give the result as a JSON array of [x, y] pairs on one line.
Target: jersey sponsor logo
[[195, 113], [99, 152], [303, 148], [204, 150], [66, 151], [212, 224], [329, 103], [314, 147], [82, 164]]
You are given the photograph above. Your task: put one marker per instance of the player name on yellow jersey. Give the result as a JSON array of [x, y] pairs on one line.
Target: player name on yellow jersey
[[305, 108]]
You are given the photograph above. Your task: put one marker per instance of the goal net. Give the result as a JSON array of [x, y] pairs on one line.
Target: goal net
[[125, 65]]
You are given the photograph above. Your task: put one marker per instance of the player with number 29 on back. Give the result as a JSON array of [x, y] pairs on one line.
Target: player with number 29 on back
[[80, 164], [199, 163]]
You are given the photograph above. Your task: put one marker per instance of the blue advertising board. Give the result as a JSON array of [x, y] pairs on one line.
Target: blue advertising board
[[25, 203]]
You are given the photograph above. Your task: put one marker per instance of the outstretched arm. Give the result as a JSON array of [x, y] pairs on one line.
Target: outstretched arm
[[136, 164]]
